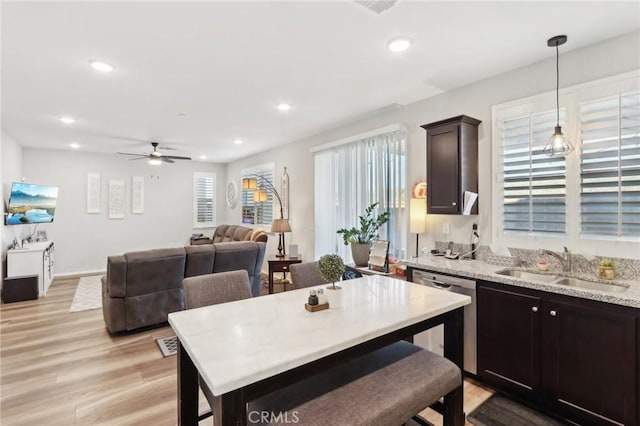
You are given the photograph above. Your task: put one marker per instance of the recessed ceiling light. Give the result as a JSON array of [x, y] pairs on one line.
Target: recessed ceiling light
[[203, 157], [74, 145], [283, 106], [237, 142], [67, 120], [101, 66], [399, 44]]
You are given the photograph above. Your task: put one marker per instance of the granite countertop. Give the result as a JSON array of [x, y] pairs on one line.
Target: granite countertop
[[481, 270]]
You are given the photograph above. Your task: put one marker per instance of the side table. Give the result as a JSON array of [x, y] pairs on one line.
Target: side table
[[280, 264]]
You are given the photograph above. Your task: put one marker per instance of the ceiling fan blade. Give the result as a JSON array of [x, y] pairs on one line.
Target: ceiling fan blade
[[176, 157], [139, 158], [128, 153], [167, 159]]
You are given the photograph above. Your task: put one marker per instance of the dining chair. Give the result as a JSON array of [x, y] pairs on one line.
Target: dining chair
[[212, 289], [306, 274], [220, 287]]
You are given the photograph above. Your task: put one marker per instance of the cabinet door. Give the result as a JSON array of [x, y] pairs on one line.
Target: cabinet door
[[443, 169], [590, 361], [509, 338]]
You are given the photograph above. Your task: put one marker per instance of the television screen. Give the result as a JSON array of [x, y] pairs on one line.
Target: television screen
[[29, 204]]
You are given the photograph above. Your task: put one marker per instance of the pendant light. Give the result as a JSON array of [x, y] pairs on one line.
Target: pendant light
[[558, 143]]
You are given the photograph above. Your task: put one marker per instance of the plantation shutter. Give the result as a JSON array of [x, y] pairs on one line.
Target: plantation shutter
[[534, 186], [204, 199], [258, 213], [610, 166]]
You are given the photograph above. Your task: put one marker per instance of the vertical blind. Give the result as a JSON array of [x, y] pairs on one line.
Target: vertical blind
[[258, 213], [534, 184], [610, 166], [204, 199], [350, 177]]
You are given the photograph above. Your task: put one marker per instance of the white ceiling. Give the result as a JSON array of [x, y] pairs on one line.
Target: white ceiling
[[225, 64]]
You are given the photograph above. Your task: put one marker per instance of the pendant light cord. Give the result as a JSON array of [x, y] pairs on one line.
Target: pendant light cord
[[557, 86]]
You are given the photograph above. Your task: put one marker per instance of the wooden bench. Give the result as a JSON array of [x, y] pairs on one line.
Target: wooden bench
[[385, 387]]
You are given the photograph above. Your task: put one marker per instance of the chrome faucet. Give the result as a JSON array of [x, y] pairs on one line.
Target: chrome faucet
[[565, 260]]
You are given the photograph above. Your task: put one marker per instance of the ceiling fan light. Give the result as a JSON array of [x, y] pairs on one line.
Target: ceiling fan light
[[155, 161]]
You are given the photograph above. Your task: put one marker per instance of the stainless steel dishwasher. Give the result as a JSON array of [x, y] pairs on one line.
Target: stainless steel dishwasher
[[433, 339]]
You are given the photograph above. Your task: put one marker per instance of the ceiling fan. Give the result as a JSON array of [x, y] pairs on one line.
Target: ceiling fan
[[156, 157]]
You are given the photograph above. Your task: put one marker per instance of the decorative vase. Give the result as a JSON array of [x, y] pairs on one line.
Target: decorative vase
[[606, 272], [334, 296], [360, 253]]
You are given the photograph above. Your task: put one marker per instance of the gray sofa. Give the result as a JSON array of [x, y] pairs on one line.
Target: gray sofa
[[141, 288], [226, 233]]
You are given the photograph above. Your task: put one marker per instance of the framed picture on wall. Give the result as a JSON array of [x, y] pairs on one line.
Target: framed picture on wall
[[137, 194], [93, 193], [116, 199]]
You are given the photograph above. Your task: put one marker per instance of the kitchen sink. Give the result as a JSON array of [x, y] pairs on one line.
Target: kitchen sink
[[567, 281], [592, 285], [527, 275]]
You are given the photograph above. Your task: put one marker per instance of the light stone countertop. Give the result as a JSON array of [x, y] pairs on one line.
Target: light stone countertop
[[30, 247], [481, 270], [238, 343]]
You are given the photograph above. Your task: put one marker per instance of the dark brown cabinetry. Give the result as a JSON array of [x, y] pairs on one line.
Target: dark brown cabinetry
[[575, 357], [452, 163]]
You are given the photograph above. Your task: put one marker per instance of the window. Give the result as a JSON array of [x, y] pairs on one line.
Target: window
[[591, 198], [610, 167], [258, 212], [534, 184], [349, 176], [204, 200]]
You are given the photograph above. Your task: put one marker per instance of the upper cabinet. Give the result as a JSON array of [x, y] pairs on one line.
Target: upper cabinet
[[452, 164]]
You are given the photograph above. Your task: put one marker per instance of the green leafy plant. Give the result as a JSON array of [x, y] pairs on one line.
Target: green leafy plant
[[331, 268], [369, 226], [607, 263]]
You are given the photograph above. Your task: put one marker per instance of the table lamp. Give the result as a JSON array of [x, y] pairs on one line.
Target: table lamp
[[417, 218], [280, 226]]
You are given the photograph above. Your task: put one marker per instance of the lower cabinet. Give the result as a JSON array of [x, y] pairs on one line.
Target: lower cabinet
[[575, 357]]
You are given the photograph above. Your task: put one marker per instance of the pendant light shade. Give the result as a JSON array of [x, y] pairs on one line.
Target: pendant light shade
[[558, 144]]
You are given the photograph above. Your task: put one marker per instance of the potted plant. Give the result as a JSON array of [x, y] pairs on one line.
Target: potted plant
[[360, 238], [606, 269], [331, 268]]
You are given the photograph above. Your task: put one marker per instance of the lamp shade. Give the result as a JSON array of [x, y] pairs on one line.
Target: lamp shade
[[260, 195], [417, 215], [249, 183], [280, 225]]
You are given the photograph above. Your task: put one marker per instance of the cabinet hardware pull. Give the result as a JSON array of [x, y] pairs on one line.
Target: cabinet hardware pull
[[534, 309], [453, 204], [553, 313]]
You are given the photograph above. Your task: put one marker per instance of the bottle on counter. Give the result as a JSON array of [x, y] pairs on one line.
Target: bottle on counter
[[313, 298], [322, 297]]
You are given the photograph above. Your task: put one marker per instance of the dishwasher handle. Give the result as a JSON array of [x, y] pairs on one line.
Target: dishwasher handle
[[437, 283]]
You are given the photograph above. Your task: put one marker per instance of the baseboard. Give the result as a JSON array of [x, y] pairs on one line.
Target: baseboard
[[80, 274]]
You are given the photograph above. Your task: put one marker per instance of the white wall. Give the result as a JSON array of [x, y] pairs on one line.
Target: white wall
[[83, 241], [590, 63], [11, 161]]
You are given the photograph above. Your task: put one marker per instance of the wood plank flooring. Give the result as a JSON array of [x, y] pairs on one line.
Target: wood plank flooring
[[62, 368]]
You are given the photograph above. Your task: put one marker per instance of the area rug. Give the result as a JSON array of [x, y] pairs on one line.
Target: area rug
[[168, 345], [88, 294], [501, 411]]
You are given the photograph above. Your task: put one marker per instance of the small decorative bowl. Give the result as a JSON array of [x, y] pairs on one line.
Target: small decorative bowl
[[543, 266]]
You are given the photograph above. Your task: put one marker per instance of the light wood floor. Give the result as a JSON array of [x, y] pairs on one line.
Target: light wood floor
[[61, 368]]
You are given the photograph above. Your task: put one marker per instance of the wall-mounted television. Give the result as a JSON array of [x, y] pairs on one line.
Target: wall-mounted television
[[30, 204]]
